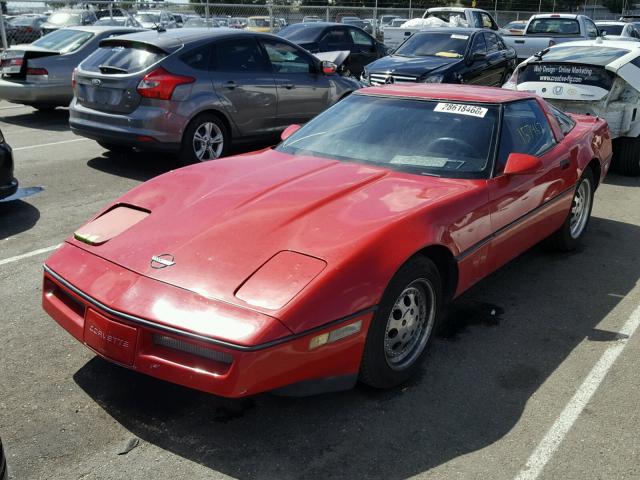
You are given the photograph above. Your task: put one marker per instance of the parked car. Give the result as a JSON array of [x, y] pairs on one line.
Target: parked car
[[329, 37], [386, 20], [446, 55], [4, 471], [598, 77], [25, 29], [331, 257], [155, 19], [199, 22], [441, 16], [39, 74], [546, 30], [621, 30], [261, 84], [111, 12], [357, 22], [8, 186], [127, 21], [262, 24], [238, 22], [68, 18], [179, 20], [222, 21], [517, 27], [311, 19]]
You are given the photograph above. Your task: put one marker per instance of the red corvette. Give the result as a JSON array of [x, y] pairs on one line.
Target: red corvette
[[330, 257]]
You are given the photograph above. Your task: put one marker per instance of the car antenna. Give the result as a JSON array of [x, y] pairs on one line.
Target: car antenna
[[541, 53]]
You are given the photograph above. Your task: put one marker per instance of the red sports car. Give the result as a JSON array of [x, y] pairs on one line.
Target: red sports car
[[329, 258]]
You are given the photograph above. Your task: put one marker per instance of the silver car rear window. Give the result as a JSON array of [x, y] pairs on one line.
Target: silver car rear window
[[122, 59]]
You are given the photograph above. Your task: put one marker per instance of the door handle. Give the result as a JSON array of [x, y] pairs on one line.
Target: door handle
[[288, 86], [231, 85], [564, 164]]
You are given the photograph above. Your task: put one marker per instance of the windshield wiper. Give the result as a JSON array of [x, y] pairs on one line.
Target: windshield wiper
[[109, 69]]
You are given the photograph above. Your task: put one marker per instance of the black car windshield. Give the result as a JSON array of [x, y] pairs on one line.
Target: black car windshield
[[451, 45], [586, 54], [424, 137], [301, 33], [64, 41], [62, 18]]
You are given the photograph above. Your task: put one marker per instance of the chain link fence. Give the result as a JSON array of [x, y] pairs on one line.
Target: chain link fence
[[22, 22]]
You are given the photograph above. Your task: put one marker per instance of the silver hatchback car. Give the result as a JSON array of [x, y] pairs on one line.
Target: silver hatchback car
[[195, 91]]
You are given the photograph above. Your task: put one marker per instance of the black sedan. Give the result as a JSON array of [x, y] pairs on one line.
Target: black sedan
[[331, 37], [446, 55], [8, 184]]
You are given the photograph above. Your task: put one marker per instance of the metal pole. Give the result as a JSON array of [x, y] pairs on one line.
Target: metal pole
[[539, 6], [206, 12], [5, 45]]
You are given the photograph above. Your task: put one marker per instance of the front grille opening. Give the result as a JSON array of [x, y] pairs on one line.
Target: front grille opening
[[193, 349], [68, 300]]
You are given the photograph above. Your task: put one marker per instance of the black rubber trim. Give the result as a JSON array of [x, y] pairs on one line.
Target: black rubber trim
[[517, 221], [317, 386], [195, 336]]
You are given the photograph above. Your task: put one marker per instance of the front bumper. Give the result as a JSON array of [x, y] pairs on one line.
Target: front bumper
[[204, 362], [153, 128], [28, 93]]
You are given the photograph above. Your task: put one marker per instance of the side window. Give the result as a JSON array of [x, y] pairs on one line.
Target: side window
[[565, 121], [286, 58], [242, 55], [479, 45], [525, 129], [335, 36], [486, 21], [361, 39], [592, 30], [197, 58], [493, 45]]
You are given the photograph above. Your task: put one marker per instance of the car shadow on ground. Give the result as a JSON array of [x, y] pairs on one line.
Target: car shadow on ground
[[144, 165], [504, 338], [54, 120], [17, 216], [621, 180]]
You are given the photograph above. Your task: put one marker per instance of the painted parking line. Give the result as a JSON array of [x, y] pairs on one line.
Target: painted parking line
[[28, 254], [558, 431], [50, 144]]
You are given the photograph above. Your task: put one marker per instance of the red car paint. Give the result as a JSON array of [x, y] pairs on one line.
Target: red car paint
[[236, 226]]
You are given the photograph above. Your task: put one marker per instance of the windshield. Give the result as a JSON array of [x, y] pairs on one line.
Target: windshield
[[62, 18], [450, 45], [258, 22], [64, 41], [554, 26], [418, 136], [148, 17], [22, 21], [591, 55], [611, 29]]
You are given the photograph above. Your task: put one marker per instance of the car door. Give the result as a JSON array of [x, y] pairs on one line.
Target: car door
[[364, 50], [476, 71], [335, 39], [303, 91], [497, 61], [243, 80], [527, 208]]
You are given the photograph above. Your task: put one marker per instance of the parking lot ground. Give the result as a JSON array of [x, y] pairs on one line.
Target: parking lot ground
[[531, 377]]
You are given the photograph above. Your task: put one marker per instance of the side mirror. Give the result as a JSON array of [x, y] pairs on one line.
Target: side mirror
[[329, 68], [521, 164], [290, 130]]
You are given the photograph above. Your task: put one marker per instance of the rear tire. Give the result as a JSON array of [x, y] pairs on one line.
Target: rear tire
[[403, 324], [567, 237], [115, 148], [626, 156], [206, 138]]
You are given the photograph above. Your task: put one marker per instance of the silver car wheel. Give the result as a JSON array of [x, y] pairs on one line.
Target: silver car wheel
[[208, 141], [580, 208], [410, 324]]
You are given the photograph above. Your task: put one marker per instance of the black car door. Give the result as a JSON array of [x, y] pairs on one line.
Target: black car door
[[497, 61], [477, 71], [364, 50]]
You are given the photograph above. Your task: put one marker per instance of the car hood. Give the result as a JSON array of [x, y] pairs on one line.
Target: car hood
[[416, 66], [222, 220]]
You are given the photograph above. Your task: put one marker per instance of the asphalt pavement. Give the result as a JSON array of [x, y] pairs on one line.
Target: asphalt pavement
[[535, 375]]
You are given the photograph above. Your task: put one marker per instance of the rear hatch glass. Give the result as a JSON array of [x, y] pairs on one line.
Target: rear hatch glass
[[108, 78], [554, 26], [567, 73]]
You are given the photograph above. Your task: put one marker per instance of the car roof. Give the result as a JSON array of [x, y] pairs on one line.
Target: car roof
[[103, 28], [174, 36], [572, 16], [461, 30], [602, 42], [611, 22], [444, 91]]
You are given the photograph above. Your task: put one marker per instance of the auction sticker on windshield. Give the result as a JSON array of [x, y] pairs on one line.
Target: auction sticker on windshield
[[461, 109]]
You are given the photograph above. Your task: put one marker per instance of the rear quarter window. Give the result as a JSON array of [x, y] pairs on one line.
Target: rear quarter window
[[197, 58], [122, 59]]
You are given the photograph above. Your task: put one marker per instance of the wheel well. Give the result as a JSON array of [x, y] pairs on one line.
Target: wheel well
[[218, 114], [446, 265], [594, 165]]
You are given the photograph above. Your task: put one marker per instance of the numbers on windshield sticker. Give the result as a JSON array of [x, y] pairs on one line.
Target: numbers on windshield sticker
[[530, 132], [461, 109]]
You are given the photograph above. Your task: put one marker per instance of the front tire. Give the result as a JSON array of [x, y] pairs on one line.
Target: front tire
[[206, 138], [403, 325], [626, 156], [567, 237]]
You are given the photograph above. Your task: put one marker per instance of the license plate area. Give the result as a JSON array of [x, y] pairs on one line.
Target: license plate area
[[114, 340]]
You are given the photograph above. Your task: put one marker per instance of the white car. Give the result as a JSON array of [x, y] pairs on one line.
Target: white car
[[621, 30], [594, 77]]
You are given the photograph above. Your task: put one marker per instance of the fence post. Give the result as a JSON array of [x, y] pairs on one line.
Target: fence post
[[327, 19], [206, 12], [3, 33], [270, 8]]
